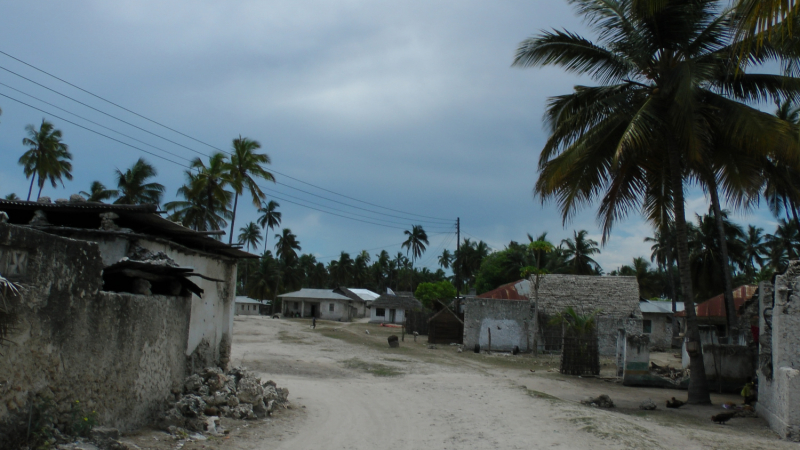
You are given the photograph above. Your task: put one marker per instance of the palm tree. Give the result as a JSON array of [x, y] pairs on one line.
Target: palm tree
[[781, 178], [99, 193], [206, 186], [269, 218], [755, 250], [669, 99], [250, 235], [198, 211], [12, 196], [445, 259], [244, 168], [784, 245], [361, 268], [416, 242], [579, 250], [133, 188], [286, 247], [47, 157]]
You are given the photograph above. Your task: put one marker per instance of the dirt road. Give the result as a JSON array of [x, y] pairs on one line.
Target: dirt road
[[350, 391]]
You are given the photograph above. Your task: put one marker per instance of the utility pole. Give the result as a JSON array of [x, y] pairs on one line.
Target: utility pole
[[458, 244]]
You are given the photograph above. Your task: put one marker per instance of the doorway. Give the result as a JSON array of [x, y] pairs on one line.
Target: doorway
[[392, 315], [313, 310]]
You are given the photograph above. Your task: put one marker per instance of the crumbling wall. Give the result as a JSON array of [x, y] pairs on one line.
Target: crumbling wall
[[117, 354], [779, 376], [508, 320]]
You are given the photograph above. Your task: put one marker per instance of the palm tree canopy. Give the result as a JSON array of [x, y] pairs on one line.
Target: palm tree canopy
[[416, 241], [47, 157], [246, 166], [134, 188], [250, 235], [99, 193], [287, 246], [660, 90], [579, 250]]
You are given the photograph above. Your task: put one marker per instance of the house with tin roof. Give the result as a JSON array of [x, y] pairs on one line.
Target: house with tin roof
[[340, 304]]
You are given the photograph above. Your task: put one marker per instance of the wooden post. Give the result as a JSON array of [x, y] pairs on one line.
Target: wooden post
[[489, 350]]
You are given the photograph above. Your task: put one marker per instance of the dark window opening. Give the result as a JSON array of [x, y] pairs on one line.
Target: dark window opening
[[380, 312], [330, 307], [647, 326]]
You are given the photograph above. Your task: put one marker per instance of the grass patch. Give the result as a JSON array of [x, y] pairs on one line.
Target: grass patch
[[287, 338], [378, 370]]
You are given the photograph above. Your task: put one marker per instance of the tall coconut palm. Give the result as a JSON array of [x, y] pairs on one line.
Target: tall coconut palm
[[244, 169], [670, 95], [209, 182], [133, 186], [269, 218], [250, 235], [197, 210], [579, 250], [12, 196], [287, 246], [47, 157], [98, 192], [755, 250], [445, 259], [416, 242], [784, 244]]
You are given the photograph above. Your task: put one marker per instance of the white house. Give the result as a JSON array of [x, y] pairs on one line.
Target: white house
[[247, 306], [392, 308], [325, 304], [363, 299]]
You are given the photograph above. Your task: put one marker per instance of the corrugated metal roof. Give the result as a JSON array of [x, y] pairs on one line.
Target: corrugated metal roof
[[314, 294], [80, 206], [364, 294], [651, 307], [715, 306], [247, 300], [518, 290]]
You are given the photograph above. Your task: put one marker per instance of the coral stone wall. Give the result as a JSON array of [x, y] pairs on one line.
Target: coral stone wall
[[117, 354]]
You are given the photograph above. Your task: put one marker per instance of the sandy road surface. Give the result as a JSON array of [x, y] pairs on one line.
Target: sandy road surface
[[350, 391]]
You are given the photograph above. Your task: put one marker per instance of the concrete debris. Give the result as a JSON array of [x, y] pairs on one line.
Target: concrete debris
[[212, 394], [603, 401], [668, 372], [648, 405]]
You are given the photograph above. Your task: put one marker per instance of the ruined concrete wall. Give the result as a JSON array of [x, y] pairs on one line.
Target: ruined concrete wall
[[118, 354], [728, 366], [211, 315], [508, 320], [779, 377]]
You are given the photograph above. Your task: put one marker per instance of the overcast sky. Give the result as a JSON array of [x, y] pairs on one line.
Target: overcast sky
[[409, 105]]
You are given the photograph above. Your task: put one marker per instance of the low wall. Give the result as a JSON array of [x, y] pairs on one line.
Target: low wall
[[728, 366], [117, 354], [508, 320]]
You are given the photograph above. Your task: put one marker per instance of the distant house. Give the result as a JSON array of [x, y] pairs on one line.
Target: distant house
[[247, 306], [362, 298], [330, 304], [390, 308], [712, 319], [507, 311], [658, 322]]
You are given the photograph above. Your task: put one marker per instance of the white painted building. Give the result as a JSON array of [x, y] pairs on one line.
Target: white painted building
[[246, 306], [327, 304], [392, 308]]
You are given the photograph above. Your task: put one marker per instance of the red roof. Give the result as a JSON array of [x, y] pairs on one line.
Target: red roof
[[505, 292], [715, 306]]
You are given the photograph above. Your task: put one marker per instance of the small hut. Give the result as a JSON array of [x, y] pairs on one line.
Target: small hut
[[446, 327]]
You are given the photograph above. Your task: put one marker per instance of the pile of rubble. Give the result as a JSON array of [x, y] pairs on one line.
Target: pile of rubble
[[668, 372], [603, 401], [211, 394]]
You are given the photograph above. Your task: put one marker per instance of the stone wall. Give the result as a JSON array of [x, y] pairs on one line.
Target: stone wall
[[661, 331], [117, 354], [508, 320], [779, 360]]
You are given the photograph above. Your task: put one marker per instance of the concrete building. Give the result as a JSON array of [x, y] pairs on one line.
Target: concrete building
[[657, 323], [390, 308], [327, 304], [615, 298], [246, 306], [117, 306], [363, 297], [779, 353]]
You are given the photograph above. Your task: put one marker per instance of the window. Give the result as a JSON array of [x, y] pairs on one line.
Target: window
[[379, 312], [647, 326], [330, 307]]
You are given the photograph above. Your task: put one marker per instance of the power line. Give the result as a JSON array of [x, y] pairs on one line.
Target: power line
[[183, 165], [183, 134]]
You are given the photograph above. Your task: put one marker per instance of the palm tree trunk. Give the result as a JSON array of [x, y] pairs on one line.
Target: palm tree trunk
[[233, 217], [730, 306], [266, 236], [41, 186], [30, 189], [698, 384]]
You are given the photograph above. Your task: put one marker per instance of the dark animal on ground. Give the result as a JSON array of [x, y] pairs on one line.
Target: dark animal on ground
[[675, 403], [721, 418]]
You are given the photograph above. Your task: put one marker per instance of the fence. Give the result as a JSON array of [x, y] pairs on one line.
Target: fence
[[580, 353], [418, 321]]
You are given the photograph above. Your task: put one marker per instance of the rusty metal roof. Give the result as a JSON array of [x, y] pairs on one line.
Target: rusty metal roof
[[715, 306], [517, 290]]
